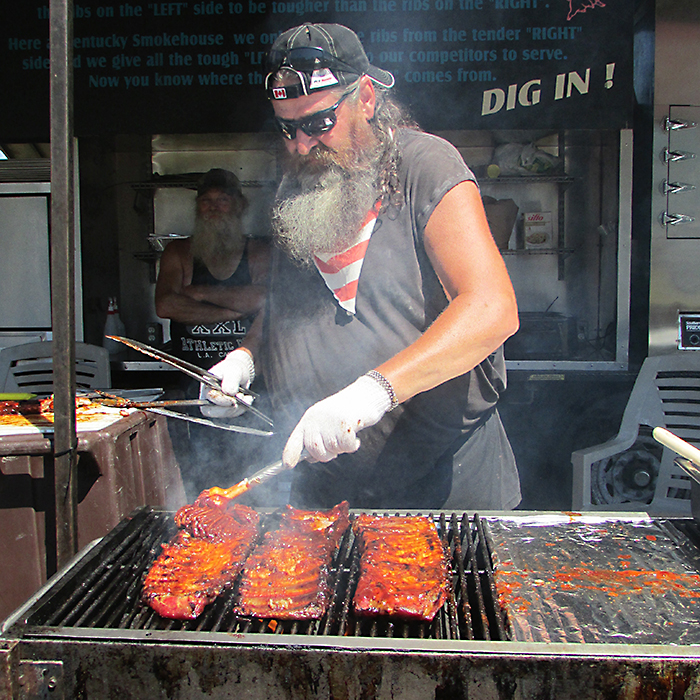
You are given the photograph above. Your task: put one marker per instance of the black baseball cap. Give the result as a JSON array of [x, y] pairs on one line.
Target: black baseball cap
[[322, 56], [219, 179]]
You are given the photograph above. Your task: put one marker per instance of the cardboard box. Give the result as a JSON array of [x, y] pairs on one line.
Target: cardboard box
[[538, 230], [501, 215]]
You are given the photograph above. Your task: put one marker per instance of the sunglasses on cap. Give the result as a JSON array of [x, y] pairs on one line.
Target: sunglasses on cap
[[306, 60], [314, 124]]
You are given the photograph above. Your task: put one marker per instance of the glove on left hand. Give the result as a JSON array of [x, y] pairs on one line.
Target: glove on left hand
[[236, 370]]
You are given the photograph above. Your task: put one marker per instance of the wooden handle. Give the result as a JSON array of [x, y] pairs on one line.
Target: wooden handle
[[673, 442]]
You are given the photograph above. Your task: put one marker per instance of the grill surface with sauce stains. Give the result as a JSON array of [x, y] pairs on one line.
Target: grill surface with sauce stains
[[88, 634]]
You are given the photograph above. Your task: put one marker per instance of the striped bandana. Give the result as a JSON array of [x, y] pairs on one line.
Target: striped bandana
[[341, 272]]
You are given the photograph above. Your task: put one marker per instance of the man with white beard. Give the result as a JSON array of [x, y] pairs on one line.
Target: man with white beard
[[212, 284], [388, 301]]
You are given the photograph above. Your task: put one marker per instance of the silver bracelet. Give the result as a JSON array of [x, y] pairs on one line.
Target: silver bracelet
[[385, 384]]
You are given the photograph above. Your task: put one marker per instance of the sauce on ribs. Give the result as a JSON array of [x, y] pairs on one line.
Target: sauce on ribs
[[286, 576], [30, 407], [203, 559], [403, 567]]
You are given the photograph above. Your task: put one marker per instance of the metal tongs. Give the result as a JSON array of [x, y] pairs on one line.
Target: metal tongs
[[243, 396]]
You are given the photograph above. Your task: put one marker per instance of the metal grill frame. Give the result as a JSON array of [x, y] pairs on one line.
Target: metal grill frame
[[193, 665]]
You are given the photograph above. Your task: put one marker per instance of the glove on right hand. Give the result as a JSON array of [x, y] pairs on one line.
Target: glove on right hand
[[330, 427], [236, 371]]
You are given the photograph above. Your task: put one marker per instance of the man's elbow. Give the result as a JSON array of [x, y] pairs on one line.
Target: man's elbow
[[514, 322], [163, 309], [510, 321]]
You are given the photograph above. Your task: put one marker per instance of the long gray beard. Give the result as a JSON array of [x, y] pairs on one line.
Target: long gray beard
[[215, 241], [321, 212]]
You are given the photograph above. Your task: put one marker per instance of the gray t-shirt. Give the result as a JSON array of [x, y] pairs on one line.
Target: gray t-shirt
[[314, 348]]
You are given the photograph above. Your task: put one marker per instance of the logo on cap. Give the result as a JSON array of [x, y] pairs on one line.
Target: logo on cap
[[279, 93], [322, 78]]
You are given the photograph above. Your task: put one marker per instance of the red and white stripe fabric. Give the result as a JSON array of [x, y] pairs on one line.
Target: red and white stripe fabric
[[341, 272]]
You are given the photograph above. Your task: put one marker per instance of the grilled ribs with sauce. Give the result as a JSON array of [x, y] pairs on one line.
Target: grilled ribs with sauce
[[37, 406], [29, 407], [403, 567], [203, 558], [286, 576]]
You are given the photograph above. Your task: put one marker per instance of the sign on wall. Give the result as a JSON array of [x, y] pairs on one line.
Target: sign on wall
[[197, 66]]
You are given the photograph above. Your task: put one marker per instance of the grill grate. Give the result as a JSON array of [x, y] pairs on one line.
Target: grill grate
[[103, 590]]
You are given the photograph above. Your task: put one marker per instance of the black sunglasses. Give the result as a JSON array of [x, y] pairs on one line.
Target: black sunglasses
[[314, 124], [305, 60]]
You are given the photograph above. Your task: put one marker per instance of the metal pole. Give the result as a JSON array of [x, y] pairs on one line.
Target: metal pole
[[63, 277]]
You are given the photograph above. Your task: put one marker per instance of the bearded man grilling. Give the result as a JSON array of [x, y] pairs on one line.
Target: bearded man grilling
[[388, 303]]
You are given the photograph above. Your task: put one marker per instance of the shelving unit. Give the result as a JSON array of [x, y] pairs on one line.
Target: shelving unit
[[562, 182], [574, 296]]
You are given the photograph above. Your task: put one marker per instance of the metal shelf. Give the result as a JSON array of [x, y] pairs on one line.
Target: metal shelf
[[539, 251], [562, 181], [523, 179], [190, 183]]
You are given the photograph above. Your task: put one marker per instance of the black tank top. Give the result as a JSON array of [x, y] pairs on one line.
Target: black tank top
[[205, 344]]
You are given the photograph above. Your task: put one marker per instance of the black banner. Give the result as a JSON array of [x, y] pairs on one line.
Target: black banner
[[197, 66]]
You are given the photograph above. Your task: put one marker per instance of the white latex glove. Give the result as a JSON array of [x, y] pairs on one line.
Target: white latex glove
[[330, 427], [236, 371]]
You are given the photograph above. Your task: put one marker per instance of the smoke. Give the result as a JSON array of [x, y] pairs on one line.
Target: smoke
[[208, 456]]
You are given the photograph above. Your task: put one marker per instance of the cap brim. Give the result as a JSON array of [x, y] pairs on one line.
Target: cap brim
[[381, 77]]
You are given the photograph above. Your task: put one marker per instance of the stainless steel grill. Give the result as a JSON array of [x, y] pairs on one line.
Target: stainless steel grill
[[88, 635], [103, 592]]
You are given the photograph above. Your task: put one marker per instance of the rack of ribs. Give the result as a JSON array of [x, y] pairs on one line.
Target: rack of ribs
[[403, 567], [201, 560], [286, 576]]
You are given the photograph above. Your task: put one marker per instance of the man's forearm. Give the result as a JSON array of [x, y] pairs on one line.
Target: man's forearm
[[253, 338], [185, 309], [244, 300]]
